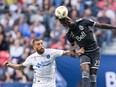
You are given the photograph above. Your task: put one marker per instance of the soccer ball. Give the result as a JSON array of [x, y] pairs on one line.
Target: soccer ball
[[61, 12]]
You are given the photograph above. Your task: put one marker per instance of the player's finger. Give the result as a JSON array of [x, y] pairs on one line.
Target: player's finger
[[73, 55], [5, 63]]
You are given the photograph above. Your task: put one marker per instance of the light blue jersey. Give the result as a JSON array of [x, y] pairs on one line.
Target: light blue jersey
[[44, 67]]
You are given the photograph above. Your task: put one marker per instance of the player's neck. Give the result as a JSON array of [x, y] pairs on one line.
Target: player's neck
[[40, 53], [72, 25]]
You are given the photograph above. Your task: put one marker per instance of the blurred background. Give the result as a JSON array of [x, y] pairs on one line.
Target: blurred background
[[23, 20]]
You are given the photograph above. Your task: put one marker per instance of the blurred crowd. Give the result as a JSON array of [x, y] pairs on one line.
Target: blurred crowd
[[23, 20]]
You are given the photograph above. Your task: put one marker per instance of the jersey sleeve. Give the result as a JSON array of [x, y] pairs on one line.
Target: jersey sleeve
[[57, 52], [89, 22], [27, 62]]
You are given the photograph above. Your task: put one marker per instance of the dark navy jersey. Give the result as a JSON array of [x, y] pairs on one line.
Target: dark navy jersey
[[82, 34]]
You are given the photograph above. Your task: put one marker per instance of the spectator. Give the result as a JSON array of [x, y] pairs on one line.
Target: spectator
[[57, 32], [79, 5], [3, 6], [107, 33], [20, 76], [39, 28], [29, 73], [1, 29], [74, 14], [4, 45], [97, 31], [24, 28], [57, 2], [4, 75], [95, 9], [16, 51], [34, 6]]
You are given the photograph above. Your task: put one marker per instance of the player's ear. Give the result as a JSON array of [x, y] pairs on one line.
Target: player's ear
[[32, 44]]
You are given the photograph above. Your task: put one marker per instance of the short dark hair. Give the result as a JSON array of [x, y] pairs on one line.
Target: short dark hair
[[34, 40]]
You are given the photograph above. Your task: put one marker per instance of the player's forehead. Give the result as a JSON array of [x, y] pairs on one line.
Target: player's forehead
[[64, 20], [38, 42]]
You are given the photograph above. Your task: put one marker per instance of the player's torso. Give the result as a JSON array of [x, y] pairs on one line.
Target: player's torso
[[43, 63], [82, 34], [44, 68]]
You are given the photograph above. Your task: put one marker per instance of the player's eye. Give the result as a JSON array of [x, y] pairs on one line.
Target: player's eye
[[38, 44]]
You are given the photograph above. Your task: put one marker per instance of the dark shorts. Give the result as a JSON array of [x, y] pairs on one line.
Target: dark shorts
[[92, 58]]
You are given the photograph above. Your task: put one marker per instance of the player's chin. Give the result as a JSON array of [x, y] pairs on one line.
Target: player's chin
[[42, 50]]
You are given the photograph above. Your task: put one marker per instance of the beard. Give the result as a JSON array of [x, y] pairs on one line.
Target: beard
[[40, 51]]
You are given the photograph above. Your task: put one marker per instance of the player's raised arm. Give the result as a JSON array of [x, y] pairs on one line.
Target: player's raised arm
[[14, 66], [104, 26]]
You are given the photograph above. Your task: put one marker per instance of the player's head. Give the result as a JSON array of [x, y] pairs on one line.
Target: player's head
[[66, 22], [61, 13], [38, 45]]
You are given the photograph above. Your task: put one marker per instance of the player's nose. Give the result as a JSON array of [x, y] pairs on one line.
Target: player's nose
[[42, 46]]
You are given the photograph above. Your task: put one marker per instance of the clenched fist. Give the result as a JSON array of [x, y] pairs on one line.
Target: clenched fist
[[6, 63]]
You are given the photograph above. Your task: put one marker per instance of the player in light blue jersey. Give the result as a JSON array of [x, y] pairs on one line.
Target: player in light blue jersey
[[43, 62]]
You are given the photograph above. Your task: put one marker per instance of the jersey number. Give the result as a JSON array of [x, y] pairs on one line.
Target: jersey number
[[97, 62]]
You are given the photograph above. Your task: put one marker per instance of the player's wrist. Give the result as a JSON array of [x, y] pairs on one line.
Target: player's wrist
[[77, 52]]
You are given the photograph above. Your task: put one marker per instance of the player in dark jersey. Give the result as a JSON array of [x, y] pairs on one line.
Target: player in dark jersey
[[79, 31]]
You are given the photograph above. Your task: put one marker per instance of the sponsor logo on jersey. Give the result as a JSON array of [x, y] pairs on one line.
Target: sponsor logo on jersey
[[79, 38], [44, 63]]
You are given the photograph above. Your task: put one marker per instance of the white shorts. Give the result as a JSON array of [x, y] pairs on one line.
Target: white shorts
[[40, 85]]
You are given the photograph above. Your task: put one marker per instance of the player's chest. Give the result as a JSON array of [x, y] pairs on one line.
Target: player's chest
[[78, 33], [42, 61]]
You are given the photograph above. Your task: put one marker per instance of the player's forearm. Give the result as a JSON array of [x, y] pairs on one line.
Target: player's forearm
[[77, 52], [107, 26], [16, 66], [66, 52]]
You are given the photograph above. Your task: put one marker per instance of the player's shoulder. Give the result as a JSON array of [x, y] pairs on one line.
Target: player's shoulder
[[81, 20], [84, 19], [78, 20], [32, 55], [50, 50]]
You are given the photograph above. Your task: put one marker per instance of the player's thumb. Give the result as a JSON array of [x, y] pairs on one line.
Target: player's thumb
[[6, 63]]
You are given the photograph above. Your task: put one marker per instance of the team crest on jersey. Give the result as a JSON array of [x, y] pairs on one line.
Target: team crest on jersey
[[48, 56], [81, 27]]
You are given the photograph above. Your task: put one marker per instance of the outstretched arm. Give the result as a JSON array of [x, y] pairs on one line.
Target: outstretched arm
[[14, 66], [76, 52], [104, 26]]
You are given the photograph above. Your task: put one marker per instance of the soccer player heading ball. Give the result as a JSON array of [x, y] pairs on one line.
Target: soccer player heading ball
[[80, 33]]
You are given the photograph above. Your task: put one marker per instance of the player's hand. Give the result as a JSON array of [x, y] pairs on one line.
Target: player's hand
[[6, 63], [81, 51], [73, 54]]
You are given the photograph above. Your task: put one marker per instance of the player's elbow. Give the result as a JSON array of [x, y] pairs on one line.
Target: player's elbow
[[101, 25]]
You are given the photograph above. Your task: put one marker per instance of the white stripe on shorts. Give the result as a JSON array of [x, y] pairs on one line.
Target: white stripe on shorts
[[85, 63], [94, 67]]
